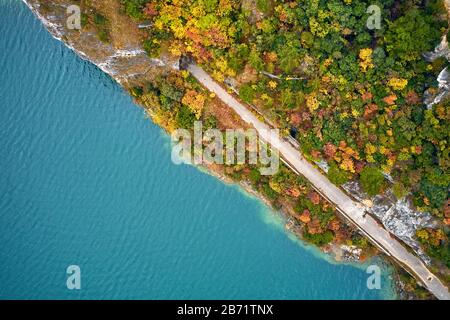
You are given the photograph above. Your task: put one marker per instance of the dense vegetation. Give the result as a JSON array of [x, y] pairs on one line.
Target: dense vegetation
[[351, 95], [357, 101], [175, 100]]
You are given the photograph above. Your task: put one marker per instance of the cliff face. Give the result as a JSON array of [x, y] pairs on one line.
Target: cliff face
[[442, 50], [122, 57], [399, 217]]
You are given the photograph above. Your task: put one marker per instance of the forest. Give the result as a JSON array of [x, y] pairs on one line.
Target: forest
[[351, 92]]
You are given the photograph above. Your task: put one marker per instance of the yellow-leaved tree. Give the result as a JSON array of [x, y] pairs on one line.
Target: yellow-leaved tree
[[195, 101]]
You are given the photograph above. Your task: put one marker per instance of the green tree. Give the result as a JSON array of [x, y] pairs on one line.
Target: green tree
[[319, 239], [411, 35], [263, 5], [185, 118], [133, 8], [336, 175], [254, 176], [372, 180], [247, 93]]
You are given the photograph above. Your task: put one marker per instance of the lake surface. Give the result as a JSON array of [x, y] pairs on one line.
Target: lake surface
[[87, 180]]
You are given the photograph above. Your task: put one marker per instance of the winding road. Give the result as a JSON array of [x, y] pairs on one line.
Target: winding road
[[354, 211]]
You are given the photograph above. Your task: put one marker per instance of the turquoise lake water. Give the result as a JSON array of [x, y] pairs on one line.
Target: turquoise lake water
[[87, 180]]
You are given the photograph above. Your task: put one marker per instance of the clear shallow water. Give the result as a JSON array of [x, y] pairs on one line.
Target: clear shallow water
[[85, 179]]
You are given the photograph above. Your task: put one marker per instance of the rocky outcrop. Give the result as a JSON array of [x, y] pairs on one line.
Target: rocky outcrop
[[127, 62], [442, 50], [433, 96], [399, 217]]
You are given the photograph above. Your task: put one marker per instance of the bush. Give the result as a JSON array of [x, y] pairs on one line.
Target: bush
[[133, 8], [263, 5], [84, 19], [319, 239], [399, 190], [336, 175], [102, 31], [254, 176], [185, 118], [372, 180], [153, 49], [247, 93], [103, 36], [269, 192], [100, 20], [360, 241]]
